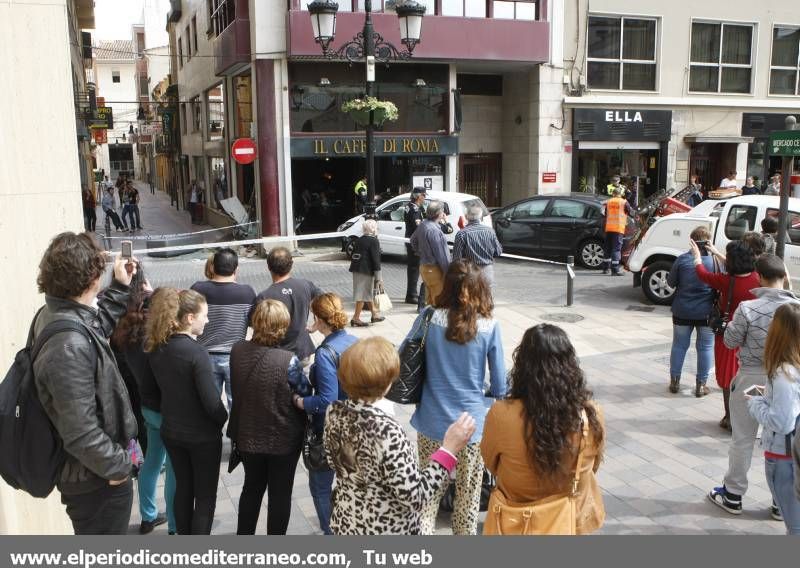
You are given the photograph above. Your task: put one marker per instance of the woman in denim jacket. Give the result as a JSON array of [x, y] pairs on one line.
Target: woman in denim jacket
[[462, 338], [778, 410]]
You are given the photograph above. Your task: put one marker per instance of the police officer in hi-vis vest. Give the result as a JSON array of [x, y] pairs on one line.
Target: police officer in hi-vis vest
[[616, 211], [360, 190]]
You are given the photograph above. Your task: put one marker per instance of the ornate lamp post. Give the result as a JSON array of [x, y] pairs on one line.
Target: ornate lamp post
[[367, 47]]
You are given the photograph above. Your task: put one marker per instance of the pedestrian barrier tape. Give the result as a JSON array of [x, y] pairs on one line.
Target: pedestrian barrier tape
[[319, 236], [159, 236]]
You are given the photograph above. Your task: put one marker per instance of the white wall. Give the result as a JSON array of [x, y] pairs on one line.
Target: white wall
[[125, 91], [34, 212], [154, 17]]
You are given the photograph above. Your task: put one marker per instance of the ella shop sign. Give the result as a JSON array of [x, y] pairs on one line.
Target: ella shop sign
[[601, 124], [352, 146]]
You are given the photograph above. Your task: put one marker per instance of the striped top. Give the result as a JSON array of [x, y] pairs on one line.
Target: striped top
[[478, 243], [228, 309]]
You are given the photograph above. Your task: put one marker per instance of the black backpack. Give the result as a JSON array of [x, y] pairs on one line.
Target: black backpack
[[31, 451]]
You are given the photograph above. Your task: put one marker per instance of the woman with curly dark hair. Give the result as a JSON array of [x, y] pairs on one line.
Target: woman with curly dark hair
[[741, 278], [462, 338], [532, 440], [128, 345]]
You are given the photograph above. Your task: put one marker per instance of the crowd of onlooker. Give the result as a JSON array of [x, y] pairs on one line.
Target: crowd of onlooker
[[745, 317], [165, 370]]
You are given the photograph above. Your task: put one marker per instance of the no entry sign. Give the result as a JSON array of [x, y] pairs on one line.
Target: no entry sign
[[244, 151]]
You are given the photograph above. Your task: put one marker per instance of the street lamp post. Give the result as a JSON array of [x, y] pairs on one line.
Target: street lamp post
[[367, 47]]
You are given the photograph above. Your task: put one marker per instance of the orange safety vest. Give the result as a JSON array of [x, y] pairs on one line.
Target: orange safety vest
[[616, 219]]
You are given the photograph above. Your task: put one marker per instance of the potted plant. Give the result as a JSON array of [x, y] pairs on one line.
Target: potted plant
[[359, 110]]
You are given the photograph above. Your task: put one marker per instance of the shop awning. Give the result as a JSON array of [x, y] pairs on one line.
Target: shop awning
[[718, 139], [617, 145]]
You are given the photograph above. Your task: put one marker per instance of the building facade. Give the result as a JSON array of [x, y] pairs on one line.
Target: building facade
[[656, 93], [479, 112], [27, 202]]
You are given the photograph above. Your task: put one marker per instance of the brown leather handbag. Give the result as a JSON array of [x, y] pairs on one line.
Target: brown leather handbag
[[554, 515]]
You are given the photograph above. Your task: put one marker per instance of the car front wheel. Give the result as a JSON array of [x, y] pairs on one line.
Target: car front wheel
[[655, 285], [590, 254]]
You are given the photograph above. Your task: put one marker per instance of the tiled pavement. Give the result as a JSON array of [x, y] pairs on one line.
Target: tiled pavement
[[664, 452]]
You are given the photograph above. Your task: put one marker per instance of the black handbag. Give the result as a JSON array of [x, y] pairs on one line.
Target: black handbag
[[719, 319], [235, 458], [407, 388], [314, 457], [488, 483]]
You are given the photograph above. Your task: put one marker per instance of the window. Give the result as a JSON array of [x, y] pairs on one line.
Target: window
[[188, 44], [568, 208], [530, 209], [194, 34], [223, 12], [464, 8], [503, 10], [393, 212], [180, 51], [785, 61], [215, 113], [721, 58], [621, 53], [140, 44], [183, 119], [197, 114], [115, 76], [144, 89], [792, 225], [741, 219], [486, 85]]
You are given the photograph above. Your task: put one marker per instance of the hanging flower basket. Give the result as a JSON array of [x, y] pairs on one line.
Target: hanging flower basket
[[359, 110]]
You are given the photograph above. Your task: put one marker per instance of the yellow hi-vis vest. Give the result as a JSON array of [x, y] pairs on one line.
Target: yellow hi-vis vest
[[360, 188], [616, 218]]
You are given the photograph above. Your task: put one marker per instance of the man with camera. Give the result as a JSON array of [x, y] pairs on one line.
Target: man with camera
[[79, 384]]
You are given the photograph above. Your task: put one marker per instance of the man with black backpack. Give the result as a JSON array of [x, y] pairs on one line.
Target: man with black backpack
[[79, 385]]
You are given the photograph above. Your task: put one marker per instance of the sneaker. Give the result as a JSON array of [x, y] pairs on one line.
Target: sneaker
[[146, 527], [674, 385], [701, 390], [722, 499], [775, 512]]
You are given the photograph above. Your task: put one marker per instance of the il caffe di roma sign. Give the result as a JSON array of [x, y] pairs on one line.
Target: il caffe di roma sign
[[355, 146]]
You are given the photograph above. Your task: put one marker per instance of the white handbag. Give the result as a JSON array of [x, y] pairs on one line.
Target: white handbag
[[381, 298]]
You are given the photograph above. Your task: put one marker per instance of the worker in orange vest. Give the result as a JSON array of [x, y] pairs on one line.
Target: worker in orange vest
[[616, 211]]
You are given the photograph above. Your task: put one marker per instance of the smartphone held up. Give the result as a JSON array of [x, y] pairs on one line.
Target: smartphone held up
[[127, 255]]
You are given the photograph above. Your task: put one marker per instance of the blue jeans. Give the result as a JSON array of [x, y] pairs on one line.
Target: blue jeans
[[221, 367], [127, 212], [704, 343], [780, 479], [320, 483], [151, 468]]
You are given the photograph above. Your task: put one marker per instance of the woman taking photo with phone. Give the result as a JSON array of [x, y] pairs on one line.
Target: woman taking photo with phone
[[778, 410], [732, 288], [191, 408]]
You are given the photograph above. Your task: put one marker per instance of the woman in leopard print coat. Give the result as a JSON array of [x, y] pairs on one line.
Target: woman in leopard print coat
[[380, 488]]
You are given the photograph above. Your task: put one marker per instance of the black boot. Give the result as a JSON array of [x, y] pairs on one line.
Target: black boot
[[674, 385]]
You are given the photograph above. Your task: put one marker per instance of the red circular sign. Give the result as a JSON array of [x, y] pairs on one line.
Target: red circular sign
[[244, 151]]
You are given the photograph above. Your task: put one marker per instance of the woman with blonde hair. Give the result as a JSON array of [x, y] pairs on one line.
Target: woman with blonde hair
[[462, 339], [265, 427], [191, 408], [380, 487], [330, 320], [366, 269], [778, 410]]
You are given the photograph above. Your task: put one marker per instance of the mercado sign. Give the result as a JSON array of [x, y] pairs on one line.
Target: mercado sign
[[103, 118], [347, 146], [785, 143]]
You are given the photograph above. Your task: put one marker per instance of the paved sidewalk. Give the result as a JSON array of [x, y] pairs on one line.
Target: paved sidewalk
[[664, 451]]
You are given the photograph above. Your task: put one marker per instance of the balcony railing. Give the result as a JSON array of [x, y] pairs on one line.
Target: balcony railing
[[223, 13]]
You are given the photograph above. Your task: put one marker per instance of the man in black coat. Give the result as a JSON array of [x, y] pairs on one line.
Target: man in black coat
[[413, 217], [80, 386]]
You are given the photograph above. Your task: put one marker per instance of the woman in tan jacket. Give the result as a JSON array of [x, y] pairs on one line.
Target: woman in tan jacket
[[531, 440]]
